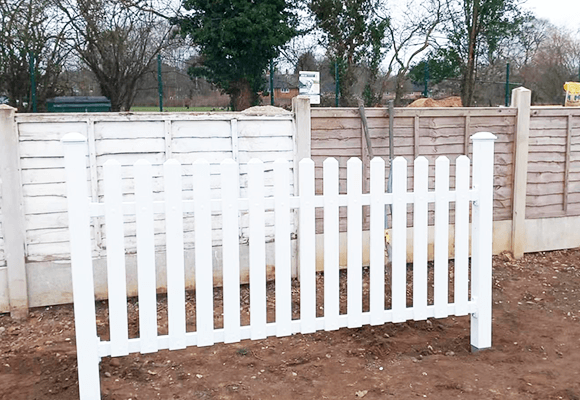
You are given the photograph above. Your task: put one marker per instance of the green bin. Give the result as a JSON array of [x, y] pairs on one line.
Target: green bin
[[78, 104]]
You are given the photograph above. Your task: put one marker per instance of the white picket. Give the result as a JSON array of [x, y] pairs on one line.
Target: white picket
[[420, 238], [461, 274], [283, 255], [116, 277], [257, 250], [174, 254], [145, 257], [354, 242], [203, 253], [75, 151], [331, 245], [377, 244], [307, 247], [441, 246], [231, 250], [399, 240]]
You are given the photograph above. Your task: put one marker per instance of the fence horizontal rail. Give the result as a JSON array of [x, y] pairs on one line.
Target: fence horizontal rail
[[164, 341], [129, 208]]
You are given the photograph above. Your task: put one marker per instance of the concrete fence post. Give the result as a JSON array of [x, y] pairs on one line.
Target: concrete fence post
[[302, 150], [521, 99], [12, 214], [301, 110]]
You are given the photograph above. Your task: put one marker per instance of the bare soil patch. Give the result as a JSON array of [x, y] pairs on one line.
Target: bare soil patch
[[535, 353], [453, 101]]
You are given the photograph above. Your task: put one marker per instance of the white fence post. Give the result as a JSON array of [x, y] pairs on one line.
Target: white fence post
[[482, 230], [75, 152], [12, 214]]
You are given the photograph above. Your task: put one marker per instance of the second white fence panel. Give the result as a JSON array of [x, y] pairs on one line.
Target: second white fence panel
[[399, 240], [231, 250], [441, 263], [257, 250], [146, 257], [175, 256], [331, 245], [203, 253], [354, 242], [116, 278], [420, 238], [282, 249]]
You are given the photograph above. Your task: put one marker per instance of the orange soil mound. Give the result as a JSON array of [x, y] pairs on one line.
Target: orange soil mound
[[453, 101]]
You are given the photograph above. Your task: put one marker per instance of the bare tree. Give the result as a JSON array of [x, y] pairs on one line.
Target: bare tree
[[410, 37], [118, 43], [556, 61], [30, 29]]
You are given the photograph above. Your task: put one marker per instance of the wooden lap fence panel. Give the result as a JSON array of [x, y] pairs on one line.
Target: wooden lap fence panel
[[472, 279]]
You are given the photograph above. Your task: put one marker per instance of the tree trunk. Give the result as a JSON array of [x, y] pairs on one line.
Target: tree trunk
[[242, 96], [469, 75], [399, 89], [113, 96]]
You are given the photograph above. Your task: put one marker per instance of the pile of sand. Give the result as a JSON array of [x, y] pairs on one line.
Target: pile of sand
[[265, 110], [453, 101]]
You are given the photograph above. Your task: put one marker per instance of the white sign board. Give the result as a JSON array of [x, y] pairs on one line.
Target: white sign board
[[309, 85]]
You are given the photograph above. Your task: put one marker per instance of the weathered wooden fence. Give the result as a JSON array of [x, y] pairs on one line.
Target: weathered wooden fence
[[553, 179], [33, 169], [256, 202], [417, 132]]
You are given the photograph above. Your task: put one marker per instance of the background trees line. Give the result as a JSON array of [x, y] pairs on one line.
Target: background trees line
[[381, 48]]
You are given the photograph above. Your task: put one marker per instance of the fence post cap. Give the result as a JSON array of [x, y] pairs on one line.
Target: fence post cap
[[521, 89], [73, 137], [6, 107], [483, 136]]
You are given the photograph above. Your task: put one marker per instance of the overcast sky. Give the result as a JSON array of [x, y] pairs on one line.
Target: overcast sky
[[559, 12]]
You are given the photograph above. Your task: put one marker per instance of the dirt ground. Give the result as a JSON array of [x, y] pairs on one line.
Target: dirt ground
[[535, 353]]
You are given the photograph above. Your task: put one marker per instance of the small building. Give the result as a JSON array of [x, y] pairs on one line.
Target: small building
[[285, 88]]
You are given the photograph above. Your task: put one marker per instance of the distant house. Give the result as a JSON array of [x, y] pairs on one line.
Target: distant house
[[285, 88]]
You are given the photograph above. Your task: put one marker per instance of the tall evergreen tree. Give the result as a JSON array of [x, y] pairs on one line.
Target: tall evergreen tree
[[236, 40]]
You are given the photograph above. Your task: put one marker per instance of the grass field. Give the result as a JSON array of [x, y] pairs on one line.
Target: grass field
[[174, 109]]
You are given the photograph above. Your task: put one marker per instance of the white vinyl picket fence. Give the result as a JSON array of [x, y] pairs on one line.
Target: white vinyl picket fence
[[477, 303]]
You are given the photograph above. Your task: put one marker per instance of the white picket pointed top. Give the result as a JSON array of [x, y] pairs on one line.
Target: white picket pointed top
[[73, 137], [378, 160], [142, 162], [483, 136], [306, 161], [400, 160], [172, 161], [111, 162], [422, 159], [228, 161], [330, 161], [463, 157], [441, 160], [354, 161]]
